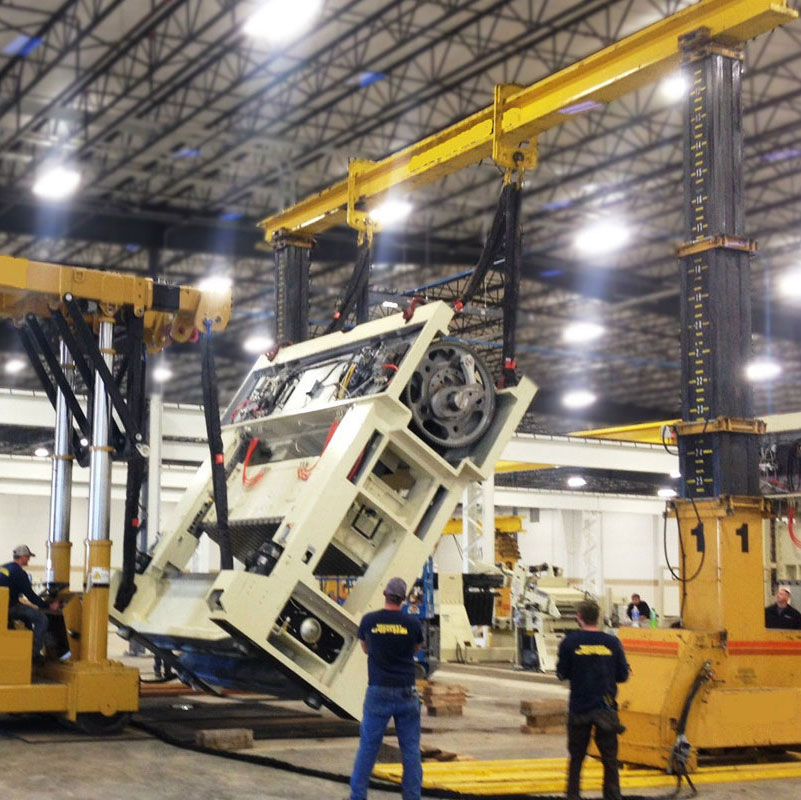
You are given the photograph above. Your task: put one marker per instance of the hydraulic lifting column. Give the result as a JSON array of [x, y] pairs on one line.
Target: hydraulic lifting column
[[723, 681]]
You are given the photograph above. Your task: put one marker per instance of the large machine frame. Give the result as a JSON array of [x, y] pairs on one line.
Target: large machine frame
[[367, 440]]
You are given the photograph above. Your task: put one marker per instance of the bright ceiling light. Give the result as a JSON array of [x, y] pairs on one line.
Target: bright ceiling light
[[389, 304], [578, 398], [675, 473], [14, 365], [666, 493], [602, 237], [258, 343], [281, 20], [391, 212], [216, 284], [161, 374], [57, 183], [41, 452], [762, 369], [84, 442], [579, 332], [790, 283], [675, 87], [576, 482]]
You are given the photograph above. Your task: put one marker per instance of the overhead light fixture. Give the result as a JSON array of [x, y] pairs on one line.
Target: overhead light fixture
[[391, 212], [576, 482], [57, 183], [14, 365], [666, 493], [216, 284], [279, 21], [84, 442], [258, 343], [579, 332], [162, 373], [762, 369], [578, 398], [675, 474], [790, 283], [604, 236], [389, 304], [41, 452], [675, 87]]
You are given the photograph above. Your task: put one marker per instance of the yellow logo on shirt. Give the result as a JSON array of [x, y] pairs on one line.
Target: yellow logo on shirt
[[386, 627], [593, 650]]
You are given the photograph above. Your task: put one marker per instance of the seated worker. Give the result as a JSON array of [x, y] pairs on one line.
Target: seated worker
[[18, 582], [781, 614], [641, 605]]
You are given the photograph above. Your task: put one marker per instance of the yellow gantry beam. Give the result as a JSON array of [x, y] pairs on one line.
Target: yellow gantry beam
[[523, 113], [170, 313]]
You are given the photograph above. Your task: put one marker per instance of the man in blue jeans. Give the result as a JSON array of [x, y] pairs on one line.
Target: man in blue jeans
[[18, 582], [390, 638]]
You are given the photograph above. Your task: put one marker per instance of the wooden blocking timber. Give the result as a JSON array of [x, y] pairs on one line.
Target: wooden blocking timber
[[544, 716], [225, 738], [442, 700]]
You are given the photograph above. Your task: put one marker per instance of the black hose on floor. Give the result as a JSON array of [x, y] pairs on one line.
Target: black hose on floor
[[285, 766]]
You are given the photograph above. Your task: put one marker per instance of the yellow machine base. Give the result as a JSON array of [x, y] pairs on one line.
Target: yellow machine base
[[549, 775], [105, 688]]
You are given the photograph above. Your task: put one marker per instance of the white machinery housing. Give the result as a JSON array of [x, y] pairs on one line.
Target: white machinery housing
[[346, 456]]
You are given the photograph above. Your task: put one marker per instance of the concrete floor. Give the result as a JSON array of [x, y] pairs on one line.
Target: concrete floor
[[40, 759]]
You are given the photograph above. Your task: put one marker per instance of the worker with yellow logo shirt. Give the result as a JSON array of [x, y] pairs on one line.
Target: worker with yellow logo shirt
[[594, 663], [390, 638]]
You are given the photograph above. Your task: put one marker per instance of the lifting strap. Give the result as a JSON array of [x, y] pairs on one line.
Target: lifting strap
[[211, 412], [135, 391], [504, 236], [355, 296]]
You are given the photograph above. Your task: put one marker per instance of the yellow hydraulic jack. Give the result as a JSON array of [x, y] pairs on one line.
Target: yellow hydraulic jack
[[82, 306], [723, 680]]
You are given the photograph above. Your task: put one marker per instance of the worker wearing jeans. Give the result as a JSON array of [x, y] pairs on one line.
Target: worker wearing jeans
[[18, 582], [390, 638]]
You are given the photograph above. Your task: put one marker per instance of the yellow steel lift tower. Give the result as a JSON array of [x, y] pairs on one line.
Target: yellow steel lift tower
[[83, 306], [723, 680]]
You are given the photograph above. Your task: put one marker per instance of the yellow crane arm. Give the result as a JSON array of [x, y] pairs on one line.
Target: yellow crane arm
[[171, 313], [519, 114]]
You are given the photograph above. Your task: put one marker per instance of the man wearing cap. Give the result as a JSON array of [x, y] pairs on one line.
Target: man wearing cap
[[390, 638], [781, 614], [18, 582]]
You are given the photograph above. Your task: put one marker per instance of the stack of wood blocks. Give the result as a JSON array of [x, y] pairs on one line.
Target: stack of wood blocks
[[544, 716], [442, 700]]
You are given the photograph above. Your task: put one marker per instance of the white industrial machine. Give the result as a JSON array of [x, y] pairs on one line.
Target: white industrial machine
[[544, 609], [344, 455]]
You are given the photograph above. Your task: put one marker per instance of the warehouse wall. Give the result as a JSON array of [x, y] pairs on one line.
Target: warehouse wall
[[609, 553]]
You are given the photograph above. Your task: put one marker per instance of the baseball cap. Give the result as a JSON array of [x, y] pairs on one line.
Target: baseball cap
[[396, 587], [23, 550]]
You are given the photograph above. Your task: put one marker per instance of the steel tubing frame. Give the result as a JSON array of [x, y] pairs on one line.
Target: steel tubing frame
[[58, 540]]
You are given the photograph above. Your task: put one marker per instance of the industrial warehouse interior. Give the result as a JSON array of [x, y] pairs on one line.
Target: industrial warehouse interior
[[367, 349]]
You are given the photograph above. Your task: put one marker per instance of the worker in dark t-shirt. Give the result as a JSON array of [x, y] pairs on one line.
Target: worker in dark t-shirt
[[390, 638], [781, 614], [642, 607], [594, 663], [18, 582]]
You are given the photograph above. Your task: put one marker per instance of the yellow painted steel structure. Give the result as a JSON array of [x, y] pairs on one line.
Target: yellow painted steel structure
[[547, 775], [34, 287], [645, 432], [507, 129], [504, 524], [751, 694], [89, 683]]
